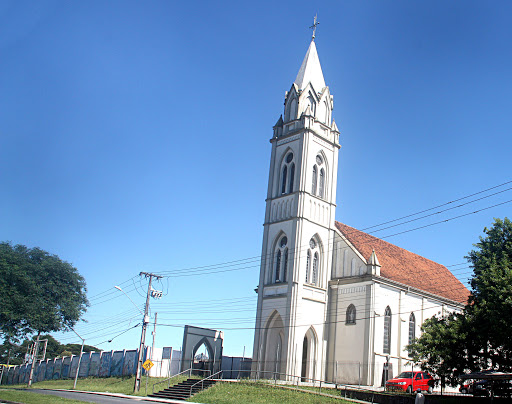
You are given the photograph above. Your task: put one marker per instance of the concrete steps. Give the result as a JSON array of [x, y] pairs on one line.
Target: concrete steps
[[181, 391]]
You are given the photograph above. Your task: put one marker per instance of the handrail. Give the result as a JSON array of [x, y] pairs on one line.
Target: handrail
[[169, 379], [201, 381], [292, 377]]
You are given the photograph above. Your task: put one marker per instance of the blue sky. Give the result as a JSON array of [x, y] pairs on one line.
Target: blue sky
[[134, 137]]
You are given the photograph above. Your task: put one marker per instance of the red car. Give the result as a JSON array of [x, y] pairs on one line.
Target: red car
[[411, 381]]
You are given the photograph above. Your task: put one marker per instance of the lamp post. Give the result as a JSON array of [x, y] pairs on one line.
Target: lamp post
[[137, 307]]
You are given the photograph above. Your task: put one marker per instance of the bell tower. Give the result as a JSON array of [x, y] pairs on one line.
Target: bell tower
[[298, 230]]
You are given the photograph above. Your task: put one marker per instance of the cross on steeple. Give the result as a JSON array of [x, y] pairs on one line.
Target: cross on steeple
[[313, 27]]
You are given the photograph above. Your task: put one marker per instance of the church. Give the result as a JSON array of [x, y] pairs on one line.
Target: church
[[334, 303]]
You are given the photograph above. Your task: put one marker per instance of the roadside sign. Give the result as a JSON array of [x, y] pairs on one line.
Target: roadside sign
[[147, 365]]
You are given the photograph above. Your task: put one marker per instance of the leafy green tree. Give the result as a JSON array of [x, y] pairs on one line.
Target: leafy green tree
[[480, 337], [54, 349], [441, 347], [490, 307], [39, 293], [75, 348], [65, 353]]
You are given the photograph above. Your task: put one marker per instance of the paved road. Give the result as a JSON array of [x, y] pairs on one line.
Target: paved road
[[88, 397]]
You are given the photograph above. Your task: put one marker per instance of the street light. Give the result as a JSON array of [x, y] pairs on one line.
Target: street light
[[119, 288], [79, 359]]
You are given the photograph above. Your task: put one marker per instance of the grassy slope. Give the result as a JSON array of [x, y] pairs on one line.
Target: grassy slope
[[258, 393], [123, 385], [221, 393], [33, 398]]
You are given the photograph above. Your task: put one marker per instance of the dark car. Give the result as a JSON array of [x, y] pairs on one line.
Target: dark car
[[467, 388], [501, 388]]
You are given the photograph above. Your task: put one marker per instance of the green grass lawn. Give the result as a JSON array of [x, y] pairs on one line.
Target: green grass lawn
[[123, 385], [258, 393], [33, 398], [221, 393]]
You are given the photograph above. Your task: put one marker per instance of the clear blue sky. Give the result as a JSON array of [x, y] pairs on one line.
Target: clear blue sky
[[134, 137]]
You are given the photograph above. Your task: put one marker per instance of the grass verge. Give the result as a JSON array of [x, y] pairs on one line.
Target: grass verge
[[122, 385], [258, 393], [33, 398]]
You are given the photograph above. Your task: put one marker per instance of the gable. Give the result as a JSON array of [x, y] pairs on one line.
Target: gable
[[405, 267]]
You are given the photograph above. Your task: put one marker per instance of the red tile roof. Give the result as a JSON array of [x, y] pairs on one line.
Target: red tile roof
[[406, 267]]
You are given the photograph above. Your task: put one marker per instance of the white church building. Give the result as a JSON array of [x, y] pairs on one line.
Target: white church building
[[334, 303]]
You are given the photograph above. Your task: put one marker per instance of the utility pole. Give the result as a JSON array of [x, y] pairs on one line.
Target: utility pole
[[3, 367], [145, 322], [154, 334], [34, 358]]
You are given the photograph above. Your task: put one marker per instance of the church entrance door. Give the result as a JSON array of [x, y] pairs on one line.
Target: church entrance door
[[308, 356]]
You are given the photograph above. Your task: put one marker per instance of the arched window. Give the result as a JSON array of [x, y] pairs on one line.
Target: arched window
[[292, 176], [387, 331], [278, 266], [283, 182], [281, 260], [313, 184], [308, 266], [318, 184], [314, 276], [291, 111], [288, 174], [321, 184], [313, 268], [326, 112], [285, 264], [351, 315], [412, 328]]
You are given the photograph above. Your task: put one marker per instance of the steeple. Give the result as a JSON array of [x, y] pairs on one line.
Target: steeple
[[310, 70], [373, 264]]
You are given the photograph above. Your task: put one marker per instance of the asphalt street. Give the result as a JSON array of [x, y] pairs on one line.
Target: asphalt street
[[87, 397]]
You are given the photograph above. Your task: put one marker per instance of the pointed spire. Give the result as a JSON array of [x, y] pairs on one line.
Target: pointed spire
[[308, 111], [373, 259], [373, 264], [334, 127], [310, 70]]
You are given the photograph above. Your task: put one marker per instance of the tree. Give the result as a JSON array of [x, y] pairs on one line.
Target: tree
[[39, 293], [54, 349], [490, 307], [480, 337], [441, 348]]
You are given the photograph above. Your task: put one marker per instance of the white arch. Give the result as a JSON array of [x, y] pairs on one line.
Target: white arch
[[273, 341], [309, 354]]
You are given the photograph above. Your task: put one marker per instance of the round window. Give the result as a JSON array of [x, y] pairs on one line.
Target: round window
[[289, 158], [319, 160], [283, 242], [312, 243]]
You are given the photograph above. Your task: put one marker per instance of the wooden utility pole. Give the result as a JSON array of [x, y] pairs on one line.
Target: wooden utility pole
[[34, 357], [145, 322]]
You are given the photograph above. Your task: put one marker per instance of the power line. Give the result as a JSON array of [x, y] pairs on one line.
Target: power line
[[213, 269], [439, 206]]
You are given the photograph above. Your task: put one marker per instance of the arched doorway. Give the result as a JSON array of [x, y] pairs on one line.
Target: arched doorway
[[202, 359], [308, 356], [272, 348]]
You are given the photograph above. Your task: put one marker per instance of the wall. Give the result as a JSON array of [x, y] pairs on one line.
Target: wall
[[98, 364]]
